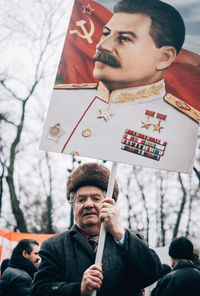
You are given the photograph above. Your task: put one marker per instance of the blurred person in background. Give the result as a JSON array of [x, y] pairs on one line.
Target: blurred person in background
[[184, 279], [17, 277], [4, 265]]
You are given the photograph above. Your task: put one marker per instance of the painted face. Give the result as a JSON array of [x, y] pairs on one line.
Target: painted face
[[34, 255], [86, 208], [126, 54]]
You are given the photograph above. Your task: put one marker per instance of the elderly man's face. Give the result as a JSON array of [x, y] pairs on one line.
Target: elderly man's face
[[86, 209], [126, 54]]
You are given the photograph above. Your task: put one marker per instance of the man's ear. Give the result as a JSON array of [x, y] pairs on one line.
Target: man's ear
[[24, 253], [166, 57], [173, 262]]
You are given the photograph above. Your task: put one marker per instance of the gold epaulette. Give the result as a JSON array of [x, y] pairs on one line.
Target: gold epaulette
[[183, 107], [75, 85]]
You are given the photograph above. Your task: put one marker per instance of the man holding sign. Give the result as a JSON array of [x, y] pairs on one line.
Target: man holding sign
[[128, 117], [67, 266]]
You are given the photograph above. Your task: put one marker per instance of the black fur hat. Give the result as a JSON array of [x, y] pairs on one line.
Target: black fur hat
[[90, 174]]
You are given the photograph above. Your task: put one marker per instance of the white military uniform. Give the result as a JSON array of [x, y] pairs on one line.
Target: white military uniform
[[137, 125]]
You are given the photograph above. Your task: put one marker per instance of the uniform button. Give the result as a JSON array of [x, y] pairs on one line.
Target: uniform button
[[86, 133], [74, 153]]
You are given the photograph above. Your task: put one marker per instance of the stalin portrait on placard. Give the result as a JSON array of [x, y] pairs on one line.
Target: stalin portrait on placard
[[110, 100]]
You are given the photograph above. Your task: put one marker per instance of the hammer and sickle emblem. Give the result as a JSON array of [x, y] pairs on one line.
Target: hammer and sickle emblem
[[86, 35]]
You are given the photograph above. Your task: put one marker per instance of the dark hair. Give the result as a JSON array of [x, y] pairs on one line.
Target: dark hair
[[181, 248], [25, 244], [167, 26]]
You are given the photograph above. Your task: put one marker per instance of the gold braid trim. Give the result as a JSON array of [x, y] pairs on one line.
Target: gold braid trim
[[139, 95], [75, 85]]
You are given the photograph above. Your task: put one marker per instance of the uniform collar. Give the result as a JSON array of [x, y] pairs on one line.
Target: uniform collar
[[132, 94]]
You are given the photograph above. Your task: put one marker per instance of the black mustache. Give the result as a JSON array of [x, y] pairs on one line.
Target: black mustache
[[105, 58]]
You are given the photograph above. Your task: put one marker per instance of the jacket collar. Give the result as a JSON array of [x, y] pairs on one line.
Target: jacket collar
[[132, 94], [183, 264], [19, 261], [75, 232]]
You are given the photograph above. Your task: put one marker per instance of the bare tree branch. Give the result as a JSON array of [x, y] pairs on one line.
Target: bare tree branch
[[4, 118], [197, 174]]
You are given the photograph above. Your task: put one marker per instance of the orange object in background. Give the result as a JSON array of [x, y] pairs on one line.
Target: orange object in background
[[9, 239]]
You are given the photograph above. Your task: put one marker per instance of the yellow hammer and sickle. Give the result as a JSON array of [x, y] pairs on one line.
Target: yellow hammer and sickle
[[86, 35]]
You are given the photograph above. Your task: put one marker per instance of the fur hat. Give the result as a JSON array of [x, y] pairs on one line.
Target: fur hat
[[90, 174], [181, 248]]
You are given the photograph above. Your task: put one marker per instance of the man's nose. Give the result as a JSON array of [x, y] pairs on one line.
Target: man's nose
[[88, 204], [106, 43]]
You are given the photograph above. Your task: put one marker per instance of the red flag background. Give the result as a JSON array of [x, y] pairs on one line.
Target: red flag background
[[84, 32], [9, 239], [183, 78]]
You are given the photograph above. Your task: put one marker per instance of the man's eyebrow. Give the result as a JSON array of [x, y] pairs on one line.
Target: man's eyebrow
[[81, 195], [127, 33], [85, 195], [122, 32], [105, 27]]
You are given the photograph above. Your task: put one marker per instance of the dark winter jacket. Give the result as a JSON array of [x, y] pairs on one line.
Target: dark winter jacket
[[16, 279], [183, 280], [65, 257]]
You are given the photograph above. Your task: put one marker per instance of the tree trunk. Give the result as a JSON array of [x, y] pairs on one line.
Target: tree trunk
[[182, 205], [162, 215], [1, 184], [49, 215], [17, 212], [128, 201], [145, 206], [49, 199]]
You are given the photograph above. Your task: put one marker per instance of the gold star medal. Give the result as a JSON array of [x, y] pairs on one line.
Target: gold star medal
[[157, 127], [146, 124], [106, 114]]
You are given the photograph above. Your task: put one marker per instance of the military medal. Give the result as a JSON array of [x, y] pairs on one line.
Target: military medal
[[55, 132], [143, 145], [146, 124], [106, 114], [157, 127], [161, 116], [150, 113]]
